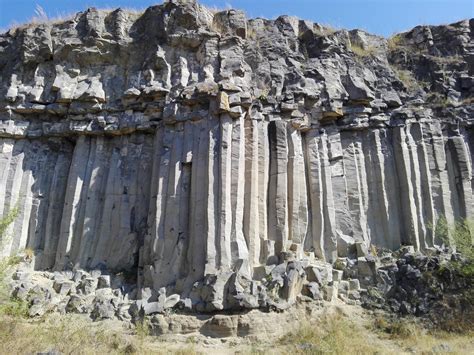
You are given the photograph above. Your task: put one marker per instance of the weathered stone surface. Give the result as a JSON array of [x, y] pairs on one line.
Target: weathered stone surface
[[190, 151]]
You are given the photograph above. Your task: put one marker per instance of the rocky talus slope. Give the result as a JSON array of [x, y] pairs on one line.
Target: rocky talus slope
[[218, 160]]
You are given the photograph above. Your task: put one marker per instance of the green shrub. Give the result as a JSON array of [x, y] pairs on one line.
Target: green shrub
[[459, 235], [6, 262], [15, 308], [7, 220], [10, 307], [462, 237]]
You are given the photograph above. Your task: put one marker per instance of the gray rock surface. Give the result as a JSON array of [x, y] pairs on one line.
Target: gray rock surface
[[192, 150]]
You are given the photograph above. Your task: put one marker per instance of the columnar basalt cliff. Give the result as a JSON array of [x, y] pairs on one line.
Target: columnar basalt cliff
[[191, 146]]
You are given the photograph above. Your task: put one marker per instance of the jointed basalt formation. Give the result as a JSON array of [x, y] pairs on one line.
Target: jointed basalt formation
[[196, 149]]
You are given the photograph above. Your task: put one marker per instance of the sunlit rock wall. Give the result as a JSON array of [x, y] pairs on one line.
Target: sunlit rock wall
[[180, 143]]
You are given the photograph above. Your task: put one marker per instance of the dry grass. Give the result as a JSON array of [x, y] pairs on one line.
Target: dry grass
[[215, 9], [43, 18], [438, 100], [447, 60], [468, 101], [323, 29], [67, 334], [395, 42], [362, 52], [408, 333], [334, 334], [75, 334], [407, 78], [344, 334], [36, 21], [251, 33]]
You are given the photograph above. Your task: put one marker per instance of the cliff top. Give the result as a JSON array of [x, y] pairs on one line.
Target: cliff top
[[170, 62]]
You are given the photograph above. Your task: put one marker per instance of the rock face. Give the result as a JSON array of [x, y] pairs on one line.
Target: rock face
[[195, 149]]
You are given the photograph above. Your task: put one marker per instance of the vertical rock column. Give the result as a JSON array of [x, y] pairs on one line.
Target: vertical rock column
[[168, 247], [108, 229], [225, 200], [45, 163], [440, 188], [263, 179], [239, 247], [384, 206], [101, 223], [122, 225], [357, 189], [6, 155], [52, 223], [278, 185], [252, 185], [338, 181], [32, 181], [146, 254], [427, 209], [20, 187], [196, 254], [12, 193], [72, 201], [93, 204], [297, 193], [164, 256], [460, 168], [212, 201], [417, 168], [408, 175], [35, 155], [323, 217], [9, 159]]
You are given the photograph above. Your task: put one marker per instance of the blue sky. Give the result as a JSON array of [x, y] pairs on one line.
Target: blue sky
[[383, 17]]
